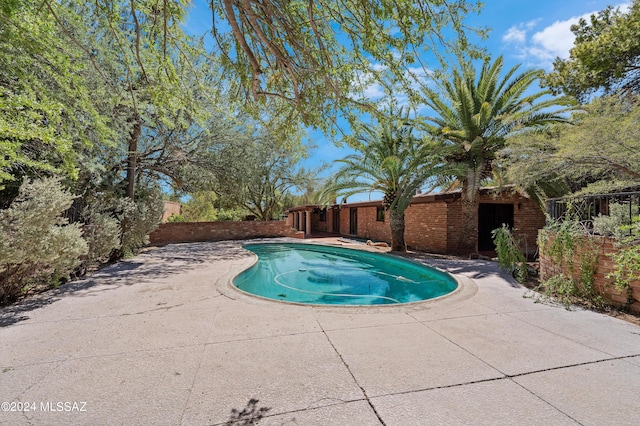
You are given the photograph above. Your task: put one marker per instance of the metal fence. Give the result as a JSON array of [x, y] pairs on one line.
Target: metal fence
[[585, 208]]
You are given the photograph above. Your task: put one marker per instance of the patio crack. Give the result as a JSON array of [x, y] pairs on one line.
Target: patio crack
[[364, 392], [197, 372]]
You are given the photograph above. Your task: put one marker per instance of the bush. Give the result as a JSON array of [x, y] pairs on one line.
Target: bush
[[102, 234], [229, 215], [36, 243], [176, 218], [510, 257], [137, 220], [617, 224]]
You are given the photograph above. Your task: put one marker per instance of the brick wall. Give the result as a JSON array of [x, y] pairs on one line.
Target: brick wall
[[528, 219], [369, 227], [182, 232], [433, 223], [603, 285], [344, 221], [426, 227]]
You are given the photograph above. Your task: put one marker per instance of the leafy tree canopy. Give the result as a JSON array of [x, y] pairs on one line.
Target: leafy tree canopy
[[388, 158], [311, 53], [474, 113], [251, 169], [605, 56], [600, 152], [46, 109]]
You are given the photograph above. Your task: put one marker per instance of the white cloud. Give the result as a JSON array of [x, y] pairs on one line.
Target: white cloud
[[517, 34], [514, 34], [555, 40], [374, 91]]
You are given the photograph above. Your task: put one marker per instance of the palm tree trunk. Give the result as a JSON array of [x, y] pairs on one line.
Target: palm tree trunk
[[396, 223], [468, 237]]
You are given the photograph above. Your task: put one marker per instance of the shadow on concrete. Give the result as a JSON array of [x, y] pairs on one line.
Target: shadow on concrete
[[153, 264], [474, 269], [199, 252], [249, 415], [17, 312]]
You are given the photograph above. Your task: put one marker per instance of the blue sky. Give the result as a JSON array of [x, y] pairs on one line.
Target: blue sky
[[530, 33]]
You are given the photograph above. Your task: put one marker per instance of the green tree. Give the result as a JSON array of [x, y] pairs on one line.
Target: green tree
[[158, 71], [315, 55], [258, 173], [606, 55], [601, 151], [206, 206], [390, 159], [474, 115], [200, 207], [51, 104]]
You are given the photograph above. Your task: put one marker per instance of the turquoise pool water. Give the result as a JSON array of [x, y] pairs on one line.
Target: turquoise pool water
[[315, 274]]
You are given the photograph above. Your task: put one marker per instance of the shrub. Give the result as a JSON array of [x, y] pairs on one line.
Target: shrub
[[226, 214], [577, 286], [510, 257], [102, 234], [176, 218], [36, 243], [137, 220], [617, 224]]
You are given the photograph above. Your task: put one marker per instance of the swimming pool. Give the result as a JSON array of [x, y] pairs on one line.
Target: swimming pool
[[315, 274]]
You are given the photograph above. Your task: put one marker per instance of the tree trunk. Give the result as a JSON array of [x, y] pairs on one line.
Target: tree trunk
[[468, 237], [396, 222], [132, 158]]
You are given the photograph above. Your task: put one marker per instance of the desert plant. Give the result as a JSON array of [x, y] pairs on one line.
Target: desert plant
[[510, 257], [229, 214], [577, 286], [102, 234], [616, 224], [176, 218], [36, 243], [137, 220]]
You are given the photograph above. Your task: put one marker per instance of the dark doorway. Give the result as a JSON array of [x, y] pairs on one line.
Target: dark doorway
[[490, 217], [353, 221], [336, 221]]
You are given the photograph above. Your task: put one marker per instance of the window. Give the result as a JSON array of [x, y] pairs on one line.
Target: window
[[380, 213]]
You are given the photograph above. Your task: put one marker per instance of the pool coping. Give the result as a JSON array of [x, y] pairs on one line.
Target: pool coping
[[151, 340], [465, 289]]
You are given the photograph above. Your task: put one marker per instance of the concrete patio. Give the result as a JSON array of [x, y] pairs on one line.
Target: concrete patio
[[161, 339]]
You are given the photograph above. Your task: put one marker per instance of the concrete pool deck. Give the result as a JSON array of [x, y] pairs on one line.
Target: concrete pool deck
[[161, 339]]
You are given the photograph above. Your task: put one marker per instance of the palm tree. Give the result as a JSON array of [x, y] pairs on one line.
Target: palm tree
[[474, 114], [390, 159]]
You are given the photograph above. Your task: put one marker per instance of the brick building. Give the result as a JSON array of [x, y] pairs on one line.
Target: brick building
[[432, 221], [171, 208]]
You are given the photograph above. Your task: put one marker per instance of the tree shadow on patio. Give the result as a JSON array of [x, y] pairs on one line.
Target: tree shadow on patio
[[249, 415], [153, 264], [474, 269], [15, 313]]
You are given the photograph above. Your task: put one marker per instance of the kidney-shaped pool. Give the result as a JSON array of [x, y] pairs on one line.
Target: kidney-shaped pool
[[325, 275]]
